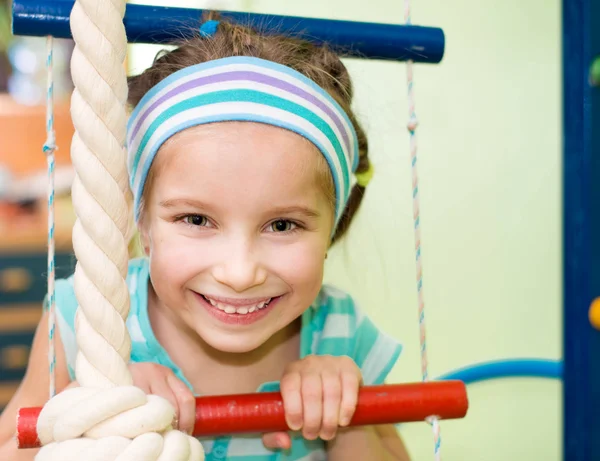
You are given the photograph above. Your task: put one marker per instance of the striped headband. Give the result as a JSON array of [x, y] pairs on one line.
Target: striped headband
[[241, 89]]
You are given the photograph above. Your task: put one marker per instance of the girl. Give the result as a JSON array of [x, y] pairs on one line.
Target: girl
[[241, 152]]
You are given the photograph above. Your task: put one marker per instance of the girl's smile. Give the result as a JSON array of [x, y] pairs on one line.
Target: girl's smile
[[238, 311]]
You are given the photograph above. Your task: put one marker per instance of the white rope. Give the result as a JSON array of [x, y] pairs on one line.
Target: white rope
[[49, 148], [412, 128], [106, 419]]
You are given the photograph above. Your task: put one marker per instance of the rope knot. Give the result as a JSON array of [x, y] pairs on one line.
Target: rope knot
[[412, 124], [50, 144], [115, 424]]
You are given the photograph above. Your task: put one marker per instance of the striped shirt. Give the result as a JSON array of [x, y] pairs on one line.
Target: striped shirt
[[332, 325]]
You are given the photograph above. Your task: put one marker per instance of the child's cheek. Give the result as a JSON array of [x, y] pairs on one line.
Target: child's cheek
[[301, 267], [173, 262]]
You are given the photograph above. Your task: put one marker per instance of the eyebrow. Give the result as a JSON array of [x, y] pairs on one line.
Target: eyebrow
[[306, 211], [172, 203]]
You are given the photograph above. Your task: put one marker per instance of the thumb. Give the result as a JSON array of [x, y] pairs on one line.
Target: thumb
[[276, 440], [71, 385]]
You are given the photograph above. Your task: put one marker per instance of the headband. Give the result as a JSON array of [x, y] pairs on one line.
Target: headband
[[241, 89]]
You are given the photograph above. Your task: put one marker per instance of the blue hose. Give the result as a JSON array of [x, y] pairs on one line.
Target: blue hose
[[510, 368]]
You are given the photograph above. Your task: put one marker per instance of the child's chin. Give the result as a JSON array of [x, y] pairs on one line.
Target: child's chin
[[232, 343]]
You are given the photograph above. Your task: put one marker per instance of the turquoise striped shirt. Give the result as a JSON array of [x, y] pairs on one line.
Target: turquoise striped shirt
[[333, 325]]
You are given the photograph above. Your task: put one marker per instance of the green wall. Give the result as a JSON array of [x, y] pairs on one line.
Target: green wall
[[489, 146]]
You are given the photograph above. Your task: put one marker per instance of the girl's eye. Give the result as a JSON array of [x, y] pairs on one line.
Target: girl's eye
[[282, 225], [196, 220]]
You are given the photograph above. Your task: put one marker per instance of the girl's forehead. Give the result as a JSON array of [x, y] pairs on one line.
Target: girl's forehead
[[255, 144], [238, 157]]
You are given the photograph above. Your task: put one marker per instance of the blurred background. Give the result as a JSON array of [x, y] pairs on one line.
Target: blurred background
[[489, 163]]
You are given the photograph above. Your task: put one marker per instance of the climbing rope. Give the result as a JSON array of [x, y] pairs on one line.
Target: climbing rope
[[107, 418]]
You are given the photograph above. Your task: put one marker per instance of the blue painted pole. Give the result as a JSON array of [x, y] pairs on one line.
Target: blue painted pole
[[164, 25], [581, 230]]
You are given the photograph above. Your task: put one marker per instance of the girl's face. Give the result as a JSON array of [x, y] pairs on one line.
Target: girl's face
[[237, 224]]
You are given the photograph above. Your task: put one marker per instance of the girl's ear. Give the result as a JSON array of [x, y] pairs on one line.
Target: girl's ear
[[145, 241], [142, 238], [138, 245]]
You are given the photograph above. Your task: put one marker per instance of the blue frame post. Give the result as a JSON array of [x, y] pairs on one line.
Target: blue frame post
[[581, 259], [150, 24]]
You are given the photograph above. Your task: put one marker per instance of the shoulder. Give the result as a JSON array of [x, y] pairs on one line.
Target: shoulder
[[66, 302], [339, 327]]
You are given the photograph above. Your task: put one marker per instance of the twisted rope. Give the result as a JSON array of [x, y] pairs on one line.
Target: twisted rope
[[412, 128], [49, 148], [106, 419]]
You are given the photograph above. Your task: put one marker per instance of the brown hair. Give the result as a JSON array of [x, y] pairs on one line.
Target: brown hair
[[317, 62]]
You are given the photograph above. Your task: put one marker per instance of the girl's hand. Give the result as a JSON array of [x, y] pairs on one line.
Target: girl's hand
[[319, 394], [159, 380]]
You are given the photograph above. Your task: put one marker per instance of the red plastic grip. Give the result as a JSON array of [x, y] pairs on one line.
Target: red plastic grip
[[263, 412]]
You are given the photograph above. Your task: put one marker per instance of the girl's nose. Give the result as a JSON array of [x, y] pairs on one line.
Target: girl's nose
[[241, 269]]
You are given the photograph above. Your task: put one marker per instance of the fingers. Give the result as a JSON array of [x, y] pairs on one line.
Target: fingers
[[332, 396], [141, 379], [320, 395], [277, 440], [350, 383], [161, 388], [312, 405], [186, 402], [159, 380], [290, 388]]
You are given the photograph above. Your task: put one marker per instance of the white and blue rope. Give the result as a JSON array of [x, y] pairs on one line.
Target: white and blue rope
[[49, 148], [412, 128]]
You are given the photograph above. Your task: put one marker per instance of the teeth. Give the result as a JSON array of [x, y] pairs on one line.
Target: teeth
[[228, 309]]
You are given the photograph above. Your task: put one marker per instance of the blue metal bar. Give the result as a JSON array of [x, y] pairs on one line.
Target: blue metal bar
[[150, 24], [581, 231], [510, 368]]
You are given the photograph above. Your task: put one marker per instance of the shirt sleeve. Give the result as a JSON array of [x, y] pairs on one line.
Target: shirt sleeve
[[341, 328], [375, 352], [65, 310]]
